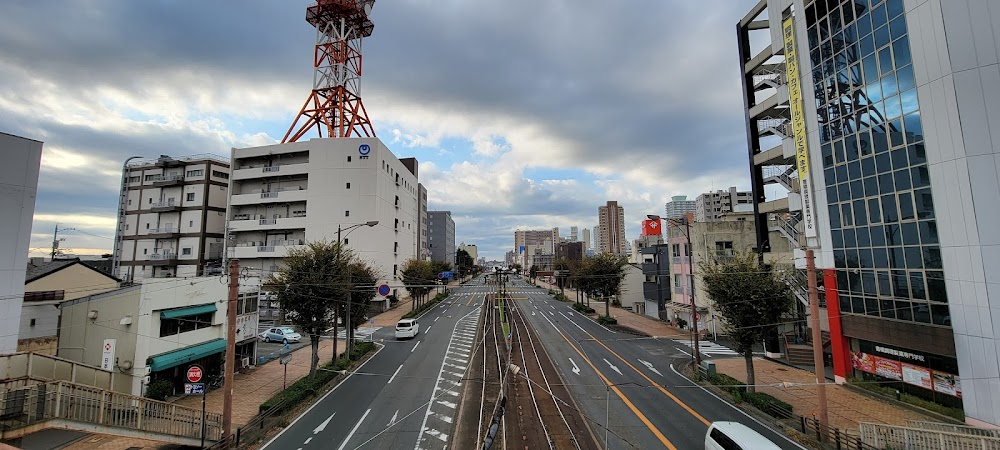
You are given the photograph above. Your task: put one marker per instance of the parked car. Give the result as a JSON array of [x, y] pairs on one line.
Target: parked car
[[280, 334], [407, 328]]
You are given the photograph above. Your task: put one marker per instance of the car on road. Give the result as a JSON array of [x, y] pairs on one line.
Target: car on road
[[280, 334], [407, 328], [735, 436]]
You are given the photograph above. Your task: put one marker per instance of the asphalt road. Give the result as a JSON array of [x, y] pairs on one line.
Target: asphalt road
[[384, 404], [649, 405]]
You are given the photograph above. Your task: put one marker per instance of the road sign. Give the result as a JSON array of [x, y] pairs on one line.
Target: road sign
[[285, 359], [194, 374], [194, 388], [108, 355], [383, 290]]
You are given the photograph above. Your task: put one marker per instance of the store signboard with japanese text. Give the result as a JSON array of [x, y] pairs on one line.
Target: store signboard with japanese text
[[942, 382]]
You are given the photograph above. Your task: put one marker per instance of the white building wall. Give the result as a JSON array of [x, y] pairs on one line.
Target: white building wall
[[18, 188]]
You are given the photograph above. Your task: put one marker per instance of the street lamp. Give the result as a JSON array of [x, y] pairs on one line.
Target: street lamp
[[694, 307], [347, 334], [116, 258]]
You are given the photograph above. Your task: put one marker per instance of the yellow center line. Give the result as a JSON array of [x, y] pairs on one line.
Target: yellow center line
[[654, 383], [642, 417]]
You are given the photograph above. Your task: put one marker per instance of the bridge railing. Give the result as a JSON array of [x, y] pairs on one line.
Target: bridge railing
[[61, 400]]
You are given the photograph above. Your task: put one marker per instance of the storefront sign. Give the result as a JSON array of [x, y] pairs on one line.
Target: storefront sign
[[942, 382], [899, 353], [798, 127], [246, 326]]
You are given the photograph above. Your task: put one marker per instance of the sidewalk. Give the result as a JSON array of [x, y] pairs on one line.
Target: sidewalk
[[250, 389]]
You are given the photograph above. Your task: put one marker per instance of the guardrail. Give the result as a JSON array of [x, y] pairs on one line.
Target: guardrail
[[65, 401], [887, 436]]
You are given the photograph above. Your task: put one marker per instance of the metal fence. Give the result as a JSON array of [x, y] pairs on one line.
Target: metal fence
[[60, 400], [952, 428], [255, 429], [887, 436]]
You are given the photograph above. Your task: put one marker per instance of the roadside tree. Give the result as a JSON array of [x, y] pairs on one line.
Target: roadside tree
[[601, 275]]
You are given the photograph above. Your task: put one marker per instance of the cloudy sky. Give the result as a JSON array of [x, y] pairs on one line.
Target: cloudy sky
[[522, 113]]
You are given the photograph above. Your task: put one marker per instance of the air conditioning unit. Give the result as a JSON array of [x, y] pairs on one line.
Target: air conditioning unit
[[92, 315], [127, 320], [244, 363]]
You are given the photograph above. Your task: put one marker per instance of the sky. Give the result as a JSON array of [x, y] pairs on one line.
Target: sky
[[523, 114]]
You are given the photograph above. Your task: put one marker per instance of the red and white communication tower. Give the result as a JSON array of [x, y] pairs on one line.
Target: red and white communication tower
[[334, 107]]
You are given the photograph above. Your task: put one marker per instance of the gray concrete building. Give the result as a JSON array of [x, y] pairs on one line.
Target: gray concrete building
[[711, 206], [441, 236], [678, 207]]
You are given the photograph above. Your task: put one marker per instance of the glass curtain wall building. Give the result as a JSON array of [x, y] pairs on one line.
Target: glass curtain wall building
[[899, 98]]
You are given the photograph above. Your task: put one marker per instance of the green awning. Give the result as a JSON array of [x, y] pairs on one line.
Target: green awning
[[187, 311], [186, 355]]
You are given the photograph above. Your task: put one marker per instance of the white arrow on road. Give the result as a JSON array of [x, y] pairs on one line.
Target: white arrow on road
[[649, 366], [392, 421], [323, 425], [613, 367], [576, 369]]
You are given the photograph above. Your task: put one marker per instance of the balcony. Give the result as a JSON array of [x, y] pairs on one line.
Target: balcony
[[167, 180], [284, 195], [251, 222], [263, 171], [162, 259], [167, 206], [650, 268], [163, 233], [261, 249]]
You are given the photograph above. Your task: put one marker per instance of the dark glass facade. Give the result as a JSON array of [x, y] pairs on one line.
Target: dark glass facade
[[884, 234]]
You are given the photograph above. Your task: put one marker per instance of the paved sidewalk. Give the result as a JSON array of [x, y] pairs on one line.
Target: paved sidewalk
[[251, 389]]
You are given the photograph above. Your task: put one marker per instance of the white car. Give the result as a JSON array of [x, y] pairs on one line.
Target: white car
[[407, 328], [735, 436]]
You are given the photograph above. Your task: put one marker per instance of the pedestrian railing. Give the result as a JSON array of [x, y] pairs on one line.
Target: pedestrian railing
[[952, 428], [255, 429], [888, 436], [71, 402]]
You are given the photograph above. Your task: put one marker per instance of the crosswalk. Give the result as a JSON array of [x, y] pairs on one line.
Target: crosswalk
[[361, 334], [709, 348]]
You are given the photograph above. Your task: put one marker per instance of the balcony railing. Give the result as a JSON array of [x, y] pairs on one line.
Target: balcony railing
[[170, 230], [162, 256], [270, 194], [270, 169], [167, 178], [268, 221], [166, 204], [265, 249]]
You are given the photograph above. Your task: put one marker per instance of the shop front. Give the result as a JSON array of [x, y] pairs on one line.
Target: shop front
[[172, 366], [921, 374]]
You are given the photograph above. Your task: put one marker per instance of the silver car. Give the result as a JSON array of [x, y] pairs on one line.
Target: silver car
[[280, 334]]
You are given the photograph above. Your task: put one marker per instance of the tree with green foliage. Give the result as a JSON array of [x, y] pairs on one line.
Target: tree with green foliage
[[533, 272], [516, 267], [308, 284], [750, 297], [362, 278], [562, 267], [418, 278], [463, 262], [602, 275]]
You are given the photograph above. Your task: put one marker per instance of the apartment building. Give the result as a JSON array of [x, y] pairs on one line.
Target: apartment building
[[19, 185], [171, 217], [611, 220], [423, 250], [286, 195], [895, 185], [678, 207], [713, 205], [441, 236], [471, 249], [586, 239], [529, 243]]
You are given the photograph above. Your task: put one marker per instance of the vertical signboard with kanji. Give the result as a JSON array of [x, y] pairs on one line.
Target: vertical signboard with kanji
[[108, 355], [797, 111]]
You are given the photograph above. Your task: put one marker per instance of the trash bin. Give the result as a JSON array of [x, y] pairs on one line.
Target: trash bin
[[708, 368]]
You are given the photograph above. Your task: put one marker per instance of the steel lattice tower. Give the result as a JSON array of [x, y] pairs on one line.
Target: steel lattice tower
[[334, 106]]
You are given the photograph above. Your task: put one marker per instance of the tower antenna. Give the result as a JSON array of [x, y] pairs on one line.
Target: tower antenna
[[334, 106]]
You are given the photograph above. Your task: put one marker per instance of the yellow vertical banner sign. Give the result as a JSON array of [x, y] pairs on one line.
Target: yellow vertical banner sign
[[798, 127]]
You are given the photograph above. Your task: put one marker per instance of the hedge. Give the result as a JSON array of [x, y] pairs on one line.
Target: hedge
[[607, 320], [560, 296], [307, 386], [583, 308], [759, 400]]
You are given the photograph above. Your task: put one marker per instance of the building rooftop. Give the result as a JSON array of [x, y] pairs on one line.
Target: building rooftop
[[36, 271]]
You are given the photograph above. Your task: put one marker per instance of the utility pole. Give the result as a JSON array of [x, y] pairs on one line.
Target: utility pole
[[227, 389], [817, 339], [694, 306]]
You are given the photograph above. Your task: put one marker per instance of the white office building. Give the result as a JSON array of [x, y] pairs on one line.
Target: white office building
[[18, 187], [678, 207], [286, 195]]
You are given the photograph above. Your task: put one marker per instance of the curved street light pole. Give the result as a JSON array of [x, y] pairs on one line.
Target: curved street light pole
[[349, 331], [690, 255], [119, 248]]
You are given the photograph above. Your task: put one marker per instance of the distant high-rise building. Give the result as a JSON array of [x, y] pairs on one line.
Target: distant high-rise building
[[711, 206], [678, 206], [611, 218], [596, 236], [441, 236], [423, 253], [529, 243], [471, 249], [574, 234], [586, 239]]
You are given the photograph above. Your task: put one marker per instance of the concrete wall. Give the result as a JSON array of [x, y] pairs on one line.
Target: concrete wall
[[81, 338], [18, 188]]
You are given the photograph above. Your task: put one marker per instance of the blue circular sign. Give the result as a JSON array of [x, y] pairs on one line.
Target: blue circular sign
[[383, 290], [364, 149]]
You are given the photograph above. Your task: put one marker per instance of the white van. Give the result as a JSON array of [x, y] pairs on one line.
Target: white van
[[736, 436], [407, 328]]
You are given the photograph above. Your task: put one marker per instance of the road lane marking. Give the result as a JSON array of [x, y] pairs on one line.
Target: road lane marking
[[393, 377], [613, 367], [415, 346], [428, 330], [392, 421], [353, 430], [436, 318], [649, 366], [323, 425], [307, 441], [576, 369], [572, 322], [654, 383], [642, 417]]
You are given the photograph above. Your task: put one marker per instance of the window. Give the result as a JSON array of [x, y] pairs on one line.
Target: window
[[676, 250], [196, 173], [186, 251], [126, 226], [134, 179], [348, 185], [190, 223], [347, 214], [220, 174], [170, 327], [130, 202], [32, 322], [44, 295], [190, 196], [145, 249], [147, 225], [150, 177], [348, 158], [150, 201], [724, 441], [345, 242]]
